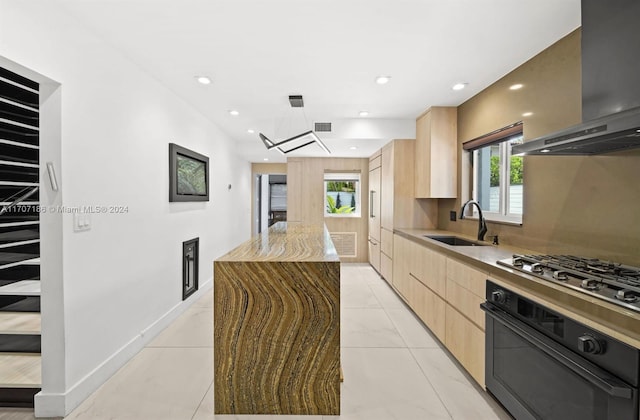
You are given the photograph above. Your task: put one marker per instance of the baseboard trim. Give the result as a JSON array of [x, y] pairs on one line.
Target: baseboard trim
[[61, 404]]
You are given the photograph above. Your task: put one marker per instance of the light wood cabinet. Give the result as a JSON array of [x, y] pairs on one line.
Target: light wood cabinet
[[446, 295], [412, 278], [401, 259], [436, 153], [398, 207], [467, 277], [466, 342], [374, 204], [374, 254], [375, 173], [429, 307], [465, 320], [431, 269], [465, 302], [386, 267]]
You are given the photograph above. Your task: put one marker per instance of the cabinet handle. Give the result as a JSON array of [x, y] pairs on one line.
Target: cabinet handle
[[371, 204]]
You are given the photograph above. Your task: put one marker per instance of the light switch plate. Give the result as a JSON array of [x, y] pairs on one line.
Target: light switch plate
[[452, 216], [81, 222]]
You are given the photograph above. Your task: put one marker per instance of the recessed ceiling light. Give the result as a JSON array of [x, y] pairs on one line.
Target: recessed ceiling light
[[363, 113], [203, 80], [516, 86], [250, 131], [545, 151], [527, 114], [234, 112], [459, 86], [265, 159], [382, 80], [353, 148]]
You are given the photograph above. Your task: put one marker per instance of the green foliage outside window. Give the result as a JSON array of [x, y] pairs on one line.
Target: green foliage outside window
[[333, 208], [337, 186], [515, 177]]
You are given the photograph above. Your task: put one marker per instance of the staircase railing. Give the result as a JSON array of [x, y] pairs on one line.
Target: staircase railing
[[20, 199]]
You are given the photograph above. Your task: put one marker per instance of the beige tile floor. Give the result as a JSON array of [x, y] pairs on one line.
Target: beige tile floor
[[393, 368]]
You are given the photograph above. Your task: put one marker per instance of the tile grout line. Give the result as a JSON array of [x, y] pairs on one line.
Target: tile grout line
[[430, 383], [405, 307], [202, 400]]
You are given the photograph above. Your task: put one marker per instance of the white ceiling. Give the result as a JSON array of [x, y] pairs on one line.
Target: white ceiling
[[258, 52]]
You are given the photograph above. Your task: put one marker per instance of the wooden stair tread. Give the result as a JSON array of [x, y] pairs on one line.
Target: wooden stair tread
[[20, 323], [20, 370], [22, 288]]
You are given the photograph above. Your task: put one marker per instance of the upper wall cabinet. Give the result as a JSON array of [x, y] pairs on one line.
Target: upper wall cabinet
[[436, 156]]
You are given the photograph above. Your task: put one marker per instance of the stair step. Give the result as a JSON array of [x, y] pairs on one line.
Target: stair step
[[20, 370], [20, 323], [21, 288]]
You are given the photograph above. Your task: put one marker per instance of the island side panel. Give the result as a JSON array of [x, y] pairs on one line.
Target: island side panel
[[277, 338]]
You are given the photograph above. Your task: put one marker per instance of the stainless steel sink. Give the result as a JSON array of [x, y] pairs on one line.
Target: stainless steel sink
[[454, 240]]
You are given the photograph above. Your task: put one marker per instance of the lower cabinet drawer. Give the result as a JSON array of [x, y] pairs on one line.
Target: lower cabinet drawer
[[466, 341], [374, 255], [429, 307], [386, 267], [466, 303]]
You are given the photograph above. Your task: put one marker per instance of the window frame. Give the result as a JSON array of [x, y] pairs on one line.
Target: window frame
[[502, 138], [346, 177]]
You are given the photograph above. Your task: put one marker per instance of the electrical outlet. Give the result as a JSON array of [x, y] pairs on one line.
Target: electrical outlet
[[452, 216]]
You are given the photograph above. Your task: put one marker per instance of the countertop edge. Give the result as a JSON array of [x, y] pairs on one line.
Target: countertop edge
[[614, 320]]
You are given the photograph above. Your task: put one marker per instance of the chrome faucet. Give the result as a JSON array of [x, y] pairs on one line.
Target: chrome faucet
[[482, 224]]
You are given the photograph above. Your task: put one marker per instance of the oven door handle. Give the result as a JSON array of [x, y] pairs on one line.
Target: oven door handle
[[592, 374]]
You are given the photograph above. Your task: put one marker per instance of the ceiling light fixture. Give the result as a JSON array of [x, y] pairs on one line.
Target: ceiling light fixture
[[527, 114], [383, 80], [353, 148], [204, 80], [234, 112], [363, 113], [545, 151], [298, 141], [459, 86], [251, 131], [516, 86], [265, 159]]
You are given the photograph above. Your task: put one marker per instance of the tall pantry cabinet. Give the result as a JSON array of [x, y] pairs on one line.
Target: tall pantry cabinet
[[374, 210], [398, 208]]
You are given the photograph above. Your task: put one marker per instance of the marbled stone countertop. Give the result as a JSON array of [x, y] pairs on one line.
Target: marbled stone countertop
[[287, 241]]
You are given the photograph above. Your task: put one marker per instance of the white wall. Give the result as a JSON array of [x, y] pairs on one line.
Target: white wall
[[111, 288]]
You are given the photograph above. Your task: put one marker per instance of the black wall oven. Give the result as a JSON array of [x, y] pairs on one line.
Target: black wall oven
[[543, 365]]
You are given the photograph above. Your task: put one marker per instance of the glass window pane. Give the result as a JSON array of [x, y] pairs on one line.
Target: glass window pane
[[516, 165], [488, 177], [341, 197]]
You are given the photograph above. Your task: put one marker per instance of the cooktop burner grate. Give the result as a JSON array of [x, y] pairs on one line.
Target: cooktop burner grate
[[615, 282]]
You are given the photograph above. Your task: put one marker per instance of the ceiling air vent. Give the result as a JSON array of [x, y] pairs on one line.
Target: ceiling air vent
[[296, 101], [322, 127]]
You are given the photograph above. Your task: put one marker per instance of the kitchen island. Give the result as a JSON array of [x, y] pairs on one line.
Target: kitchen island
[[277, 324]]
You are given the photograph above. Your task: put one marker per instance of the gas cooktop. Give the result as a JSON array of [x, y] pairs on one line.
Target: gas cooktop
[[614, 282]]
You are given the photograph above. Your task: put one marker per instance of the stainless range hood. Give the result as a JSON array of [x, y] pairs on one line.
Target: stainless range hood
[[606, 134], [610, 85]]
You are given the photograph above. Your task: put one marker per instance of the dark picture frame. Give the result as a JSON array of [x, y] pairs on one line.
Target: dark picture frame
[[190, 264], [188, 175]]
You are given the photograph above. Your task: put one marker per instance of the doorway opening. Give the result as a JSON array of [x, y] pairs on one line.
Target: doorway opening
[[270, 201]]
